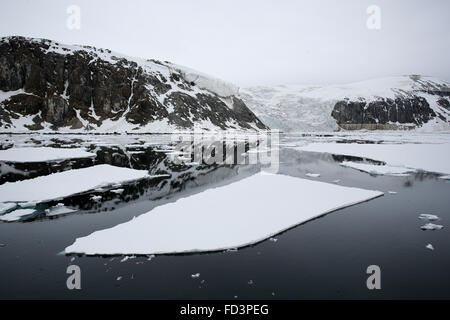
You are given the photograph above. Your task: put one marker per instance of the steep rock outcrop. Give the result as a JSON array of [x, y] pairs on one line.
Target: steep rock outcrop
[[46, 86]]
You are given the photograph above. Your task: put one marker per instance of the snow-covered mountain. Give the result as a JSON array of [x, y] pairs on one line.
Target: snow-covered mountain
[[386, 103], [46, 86]]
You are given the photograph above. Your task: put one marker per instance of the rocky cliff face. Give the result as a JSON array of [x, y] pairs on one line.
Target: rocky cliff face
[[405, 109], [404, 102], [46, 86]]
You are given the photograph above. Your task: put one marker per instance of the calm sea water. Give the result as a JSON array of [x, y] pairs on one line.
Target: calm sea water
[[323, 258]]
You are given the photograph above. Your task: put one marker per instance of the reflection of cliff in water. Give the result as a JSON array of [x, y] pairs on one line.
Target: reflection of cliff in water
[[167, 176]]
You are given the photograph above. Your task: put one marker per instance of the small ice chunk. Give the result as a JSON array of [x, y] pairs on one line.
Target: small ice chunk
[[127, 258], [118, 191], [445, 177], [2, 245], [431, 226], [59, 209], [273, 239], [119, 278], [250, 282], [195, 275], [336, 181], [392, 192], [429, 246], [430, 217], [150, 257], [96, 198], [313, 175]]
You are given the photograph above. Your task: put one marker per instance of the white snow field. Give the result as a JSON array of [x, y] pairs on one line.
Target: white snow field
[[426, 157], [42, 154], [236, 215], [63, 184], [378, 169]]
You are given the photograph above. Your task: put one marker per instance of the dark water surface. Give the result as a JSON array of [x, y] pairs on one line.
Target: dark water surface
[[323, 258]]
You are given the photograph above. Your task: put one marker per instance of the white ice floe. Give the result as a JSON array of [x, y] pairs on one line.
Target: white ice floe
[[195, 275], [5, 207], [426, 157], [445, 177], [431, 226], [429, 246], [57, 210], [239, 214], [16, 215], [430, 217], [378, 169], [313, 175], [63, 184], [392, 192], [42, 154]]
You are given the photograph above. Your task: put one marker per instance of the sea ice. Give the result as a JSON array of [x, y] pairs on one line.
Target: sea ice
[[63, 184], [378, 169], [419, 156], [43, 154], [429, 246], [5, 207], [430, 217], [239, 214], [313, 175], [16, 215], [431, 226]]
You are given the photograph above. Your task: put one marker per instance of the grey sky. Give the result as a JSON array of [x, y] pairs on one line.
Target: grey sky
[[252, 42]]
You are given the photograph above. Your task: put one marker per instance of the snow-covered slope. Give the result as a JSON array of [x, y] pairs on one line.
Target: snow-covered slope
[[47, 86], [384, 103]]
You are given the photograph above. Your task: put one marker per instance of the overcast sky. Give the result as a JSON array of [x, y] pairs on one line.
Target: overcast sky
[[251, 42]]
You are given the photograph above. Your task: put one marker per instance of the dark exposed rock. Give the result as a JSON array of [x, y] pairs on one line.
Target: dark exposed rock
[[69, 88], [382, 112]]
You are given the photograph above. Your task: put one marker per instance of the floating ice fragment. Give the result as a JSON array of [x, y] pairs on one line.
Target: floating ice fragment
[[118, 191], [41, 154], [378, 169], [63, 184], [392, 192], [5, 207], [96, 198], [195, 275], [119, 278], [429, 246], [431, 226], [250, 282], [16, 215], [273, 239], [430, 217], [313, 175]]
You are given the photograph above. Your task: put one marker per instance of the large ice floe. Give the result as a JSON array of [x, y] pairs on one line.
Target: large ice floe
[[63, 184], [42, 154], [236, 215], [400, 158]]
